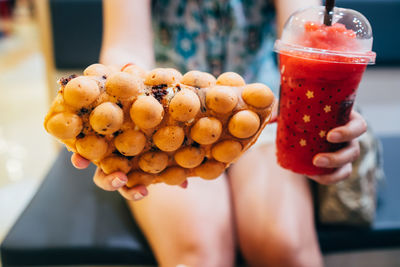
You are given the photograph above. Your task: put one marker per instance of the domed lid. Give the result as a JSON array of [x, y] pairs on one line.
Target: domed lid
[[347, 40]]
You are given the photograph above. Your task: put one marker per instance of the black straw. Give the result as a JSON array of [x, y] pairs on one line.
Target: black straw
[[329, 4]]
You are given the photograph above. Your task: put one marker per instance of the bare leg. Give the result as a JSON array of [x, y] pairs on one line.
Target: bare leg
[[192, 226], [273, 212]]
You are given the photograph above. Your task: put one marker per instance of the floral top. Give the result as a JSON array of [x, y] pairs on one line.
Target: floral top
[[217, 36]]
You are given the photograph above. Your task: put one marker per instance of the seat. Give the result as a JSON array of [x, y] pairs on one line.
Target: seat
[[385, 231], [72, 222]]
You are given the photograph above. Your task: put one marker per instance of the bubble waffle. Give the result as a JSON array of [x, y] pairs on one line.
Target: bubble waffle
[[158, 126]]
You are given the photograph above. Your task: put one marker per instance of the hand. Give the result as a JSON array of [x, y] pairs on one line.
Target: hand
[[114, 181], [342, 158], [274, 112]]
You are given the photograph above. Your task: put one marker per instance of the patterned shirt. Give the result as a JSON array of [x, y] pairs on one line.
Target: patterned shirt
[[217, 36]]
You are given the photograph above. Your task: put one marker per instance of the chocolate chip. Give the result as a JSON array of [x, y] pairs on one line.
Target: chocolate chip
[[159, 91], [82, 111], [117, 133], [195, 144], [65, 80], [116, 152]]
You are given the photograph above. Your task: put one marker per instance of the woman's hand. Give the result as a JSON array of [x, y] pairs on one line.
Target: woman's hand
[[114, 181], [342, 158]]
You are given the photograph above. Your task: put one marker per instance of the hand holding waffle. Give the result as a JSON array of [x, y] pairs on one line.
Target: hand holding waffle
[[158, 126]]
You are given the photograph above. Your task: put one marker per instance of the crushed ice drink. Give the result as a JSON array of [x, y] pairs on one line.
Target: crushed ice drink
[[316, 95]]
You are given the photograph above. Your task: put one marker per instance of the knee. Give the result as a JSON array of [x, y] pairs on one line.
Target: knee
[[288, 251], [284, 250], [194, 253]]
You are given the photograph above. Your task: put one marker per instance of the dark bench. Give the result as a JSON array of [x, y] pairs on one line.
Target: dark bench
[[72, 222]]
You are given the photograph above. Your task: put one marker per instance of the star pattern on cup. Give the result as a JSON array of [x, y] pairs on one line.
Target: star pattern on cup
[[303, 142], [327, 108], [310, 94], [306, 118], [322, 133]]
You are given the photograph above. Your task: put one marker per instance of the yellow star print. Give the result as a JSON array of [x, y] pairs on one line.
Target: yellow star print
[[310, 94], [327, 109], [322, 133], [303, 142], [306, 118]]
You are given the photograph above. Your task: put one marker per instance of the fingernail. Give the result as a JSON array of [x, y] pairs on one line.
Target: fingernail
[[184, 184], [143, 191], [117, 182], [137, 196], [335, 136], [321, 161]]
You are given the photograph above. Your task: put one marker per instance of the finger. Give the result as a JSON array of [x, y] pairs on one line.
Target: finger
[[184, 184], [126, 65], [135, 193], [337, 176], [353, 129], [338, 158], [79, 162], [274, 115], [110, 182]]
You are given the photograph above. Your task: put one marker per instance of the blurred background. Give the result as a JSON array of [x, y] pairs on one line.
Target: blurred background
[[41, 41]]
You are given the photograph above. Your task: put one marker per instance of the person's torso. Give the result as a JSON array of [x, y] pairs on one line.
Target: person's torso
[[217, 36]]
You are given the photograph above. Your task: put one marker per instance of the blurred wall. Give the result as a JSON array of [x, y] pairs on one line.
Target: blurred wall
[[384, 16], [77, 31]]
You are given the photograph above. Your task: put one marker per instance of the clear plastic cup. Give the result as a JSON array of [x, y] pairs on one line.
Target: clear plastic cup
[[321, 67]]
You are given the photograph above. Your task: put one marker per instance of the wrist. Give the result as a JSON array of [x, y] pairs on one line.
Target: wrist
[[120, 57]]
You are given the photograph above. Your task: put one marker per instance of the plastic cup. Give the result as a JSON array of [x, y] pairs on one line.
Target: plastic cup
[[321, 67]]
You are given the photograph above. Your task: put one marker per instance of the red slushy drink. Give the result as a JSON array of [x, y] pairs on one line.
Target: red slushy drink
[[321, 67]]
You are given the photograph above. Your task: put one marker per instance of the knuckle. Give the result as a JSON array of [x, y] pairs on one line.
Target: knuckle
[[102, 183], [331, 179], [324, 180], [334, 160], [346, 133], [356, 153], [129, 197], [125, 194], [349, 171], [364, 125]]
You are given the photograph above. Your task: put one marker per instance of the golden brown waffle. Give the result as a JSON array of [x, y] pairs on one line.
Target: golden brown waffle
[[158, 126]]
